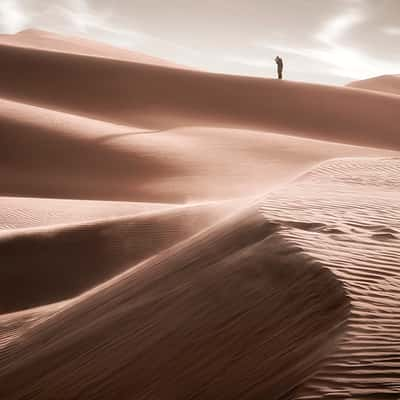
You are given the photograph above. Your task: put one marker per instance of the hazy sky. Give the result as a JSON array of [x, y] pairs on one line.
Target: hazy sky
[[327, 41]]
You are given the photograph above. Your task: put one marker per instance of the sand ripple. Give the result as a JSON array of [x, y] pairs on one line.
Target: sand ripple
[[346, 214], [232, 313]]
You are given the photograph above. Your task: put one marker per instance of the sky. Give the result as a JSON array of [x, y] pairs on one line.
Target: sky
[[323, 41]]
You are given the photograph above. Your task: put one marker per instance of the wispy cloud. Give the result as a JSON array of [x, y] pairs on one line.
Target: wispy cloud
[[392, 30], [338, 26], [12, 16], [80, 17], [341, 60], [349, 39]]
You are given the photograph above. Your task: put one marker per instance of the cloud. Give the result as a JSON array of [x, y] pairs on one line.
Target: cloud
[[252, 62], [392, 30], [12, 17], [82, 18], [338, 26], [341, 60], [348, 39]]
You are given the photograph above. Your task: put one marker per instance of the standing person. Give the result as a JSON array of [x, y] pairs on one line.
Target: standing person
[[279, 63]]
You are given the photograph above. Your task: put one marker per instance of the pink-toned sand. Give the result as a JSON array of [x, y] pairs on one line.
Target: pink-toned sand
[[386, 84], [37, 39], [175, 234]]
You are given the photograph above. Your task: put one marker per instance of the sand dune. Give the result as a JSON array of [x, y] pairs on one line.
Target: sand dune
[[385, 83], [346, 215], [155, 97], [53, 154], [28, 212], [171, 234], [349, 236], [50, 264], [84, 132], [38, 39], [205, 286]]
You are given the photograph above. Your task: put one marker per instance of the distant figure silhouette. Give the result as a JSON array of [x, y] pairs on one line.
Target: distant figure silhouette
[[279, 63]]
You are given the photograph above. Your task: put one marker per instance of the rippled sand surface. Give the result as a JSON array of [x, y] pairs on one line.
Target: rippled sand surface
[[173, 234], [346, 214]]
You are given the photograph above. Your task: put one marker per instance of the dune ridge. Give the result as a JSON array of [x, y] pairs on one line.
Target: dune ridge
[[345, 214], [28, 212], [84, 132], [161, 98], [48, 265], [205, 285], [50, 41], [210, 250], [385, 83], [54, 154]]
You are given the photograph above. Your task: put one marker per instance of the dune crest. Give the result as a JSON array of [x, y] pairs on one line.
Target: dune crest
[[216, 337], [48, 264], [385, 83], [346, 214], [156, 97], [39, 39], [54, 154], [174, 234]]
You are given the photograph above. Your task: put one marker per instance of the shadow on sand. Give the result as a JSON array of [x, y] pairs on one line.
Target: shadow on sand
[[107, 138]]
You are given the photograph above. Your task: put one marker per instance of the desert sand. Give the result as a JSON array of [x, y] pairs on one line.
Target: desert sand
[[385, 83], [167, 233]]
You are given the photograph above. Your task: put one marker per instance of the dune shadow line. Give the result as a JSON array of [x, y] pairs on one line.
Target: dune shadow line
[[107, 138]]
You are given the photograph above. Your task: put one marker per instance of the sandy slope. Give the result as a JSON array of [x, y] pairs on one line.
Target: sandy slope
[[28, 212], [293, 297], [178, 324], [346, 215], [51, 264], [53, 154], [158, 98], [75, 127], [37, 39], [385, 83], [343, 214]]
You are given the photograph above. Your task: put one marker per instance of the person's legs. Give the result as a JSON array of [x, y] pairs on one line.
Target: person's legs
[[279, 74]]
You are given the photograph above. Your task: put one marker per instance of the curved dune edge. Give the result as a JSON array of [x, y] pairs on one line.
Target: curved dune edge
[[250, 307], [51, 264], [53, 154], [177, 325], [50, 41], [30, 212], [385, 83], [155, 97], [345, 214]]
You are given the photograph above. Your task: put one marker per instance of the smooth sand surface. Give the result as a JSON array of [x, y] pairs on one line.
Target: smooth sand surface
[[385, 83], [38, 39], [174, 234], [159, 98], [54, 154]]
